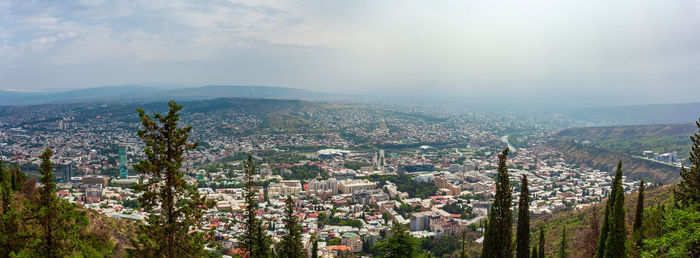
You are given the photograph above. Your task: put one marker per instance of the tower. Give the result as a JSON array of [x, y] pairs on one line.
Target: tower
[[123, 172]]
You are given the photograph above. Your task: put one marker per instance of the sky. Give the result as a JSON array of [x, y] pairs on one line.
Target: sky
[[589, 52]]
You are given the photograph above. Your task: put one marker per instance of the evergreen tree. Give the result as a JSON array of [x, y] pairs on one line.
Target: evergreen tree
[[688, 191], [400, 245], [174, 206], [58, 223], [523, 233], [563, 245], [605, 228], [534, 252], [541, 248], [501, 217], [291, 245], [639, 215], [463, 249], [11, 236], [617, 231], [254, 239], [314, 247]]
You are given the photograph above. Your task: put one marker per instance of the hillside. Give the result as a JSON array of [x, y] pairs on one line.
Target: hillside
[[606, 160], [679, 113], [635, 139], [577, 221]]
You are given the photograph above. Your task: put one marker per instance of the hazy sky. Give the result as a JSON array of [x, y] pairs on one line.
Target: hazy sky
[[633, 51]]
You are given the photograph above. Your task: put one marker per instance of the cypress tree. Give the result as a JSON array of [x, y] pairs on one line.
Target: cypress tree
[[590, 238], [58, 223], [617, 235], [639, 214], [463, 249], [11, 237], [534, 252], [605, 228], [523, 233], [541, 248], [314, 247], [501, 217], [174, 206], [291, 245], [563, 245], [688, 190]]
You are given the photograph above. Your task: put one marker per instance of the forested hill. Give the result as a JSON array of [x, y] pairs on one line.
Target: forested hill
[[606, 160], [577, 222], [635, 139]]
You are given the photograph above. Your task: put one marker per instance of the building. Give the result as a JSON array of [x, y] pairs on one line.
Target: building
[[352, 186], [352, 240], [95, 180], [284, 188], [93, 193]]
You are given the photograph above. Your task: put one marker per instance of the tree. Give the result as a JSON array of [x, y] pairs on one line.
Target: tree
[[639, 214], [314, 247], [291, 245], [254, 239], [534, 252], [400, 245], [523, 233], [12, 237], [58, 223], [602, 240], [590, 237], [541, 248], [463, 248], [498, 236], [688, 191], [563, 245], [617, 231], [174, 207]]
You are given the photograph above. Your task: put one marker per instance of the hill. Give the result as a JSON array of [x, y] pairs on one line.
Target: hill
[[634, 139], [680, 113], [606, 160], [577, 221], [136, 93]]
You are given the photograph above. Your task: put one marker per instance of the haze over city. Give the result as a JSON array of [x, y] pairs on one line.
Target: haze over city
[[561, 52]]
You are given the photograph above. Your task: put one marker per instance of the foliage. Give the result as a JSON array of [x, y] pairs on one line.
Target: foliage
[[563, 245], [354, 164], [617, 230], [305, 172], [254, 240], [400, 245], [681, 238], [523, 233], [405, 183], [174, 207], [291, 245], [688, 191], [605, 228], [498, 236]]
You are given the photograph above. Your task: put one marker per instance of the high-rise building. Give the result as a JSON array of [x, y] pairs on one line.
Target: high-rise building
[[67, 172], [123, 170]]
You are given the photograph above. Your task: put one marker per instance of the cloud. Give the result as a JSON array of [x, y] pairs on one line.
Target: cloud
[[462, 47]]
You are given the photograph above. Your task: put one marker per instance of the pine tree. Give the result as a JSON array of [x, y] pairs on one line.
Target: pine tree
[[174, 206], [291, 245], [541, 248], [605, 228], [534, 252], [563, 245], [58, 222], [523, 233], [314, 247], [688, 190], [617, 232], [499, 230], [639, 215]]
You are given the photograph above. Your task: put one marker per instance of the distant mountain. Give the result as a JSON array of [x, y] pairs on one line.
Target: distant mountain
[[681, 113], [132, 93]]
